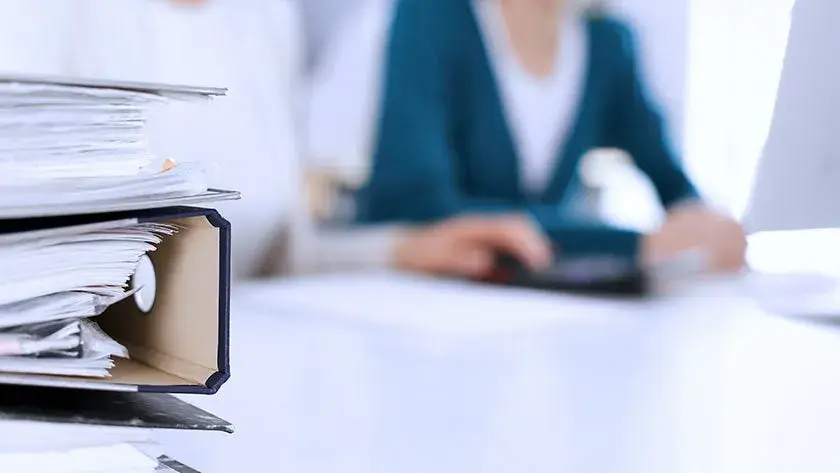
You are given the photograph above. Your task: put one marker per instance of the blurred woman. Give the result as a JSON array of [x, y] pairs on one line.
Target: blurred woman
[[343, 93], [489, 106]]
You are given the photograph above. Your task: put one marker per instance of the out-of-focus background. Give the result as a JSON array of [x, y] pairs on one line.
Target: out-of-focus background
[[304, 77], [396, 373]]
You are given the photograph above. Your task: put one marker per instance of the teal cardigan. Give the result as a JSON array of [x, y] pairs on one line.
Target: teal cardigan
[[444, 147]]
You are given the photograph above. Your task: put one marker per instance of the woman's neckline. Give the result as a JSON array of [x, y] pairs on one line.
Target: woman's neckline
[[569, 26]]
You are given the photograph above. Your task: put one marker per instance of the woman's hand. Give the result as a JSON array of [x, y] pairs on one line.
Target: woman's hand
[[695, 227], [467, 246]]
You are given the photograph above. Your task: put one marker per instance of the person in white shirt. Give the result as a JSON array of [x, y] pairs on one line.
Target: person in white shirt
[[253, 48]]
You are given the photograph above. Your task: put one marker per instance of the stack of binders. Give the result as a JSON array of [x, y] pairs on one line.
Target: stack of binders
[[114, 285]]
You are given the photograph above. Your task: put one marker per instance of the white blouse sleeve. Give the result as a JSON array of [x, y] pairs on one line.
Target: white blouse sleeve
[[351, 249], [317, 250]]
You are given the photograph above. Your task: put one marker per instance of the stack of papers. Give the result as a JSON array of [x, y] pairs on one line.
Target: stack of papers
[[53, 280], [64, 447], [184, 180], [64, 132], [70, 146]]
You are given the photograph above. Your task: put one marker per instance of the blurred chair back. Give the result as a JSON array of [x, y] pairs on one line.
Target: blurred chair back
[[344, 93]]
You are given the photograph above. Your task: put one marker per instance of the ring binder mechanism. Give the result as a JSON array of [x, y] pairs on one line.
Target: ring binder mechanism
[[181, 345]]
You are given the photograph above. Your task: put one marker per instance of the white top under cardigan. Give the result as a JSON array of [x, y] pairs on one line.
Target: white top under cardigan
[[540, 111]]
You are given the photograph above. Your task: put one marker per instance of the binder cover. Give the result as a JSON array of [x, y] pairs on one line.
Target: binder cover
[[168, 465], [146, 87], [112, 409], [182, 344]]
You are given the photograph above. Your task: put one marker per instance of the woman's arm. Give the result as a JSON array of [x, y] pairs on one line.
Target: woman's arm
[[636, 125], [414, 175], [462, 246]]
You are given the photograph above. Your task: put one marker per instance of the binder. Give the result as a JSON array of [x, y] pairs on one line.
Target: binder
[[60, 423], [181, 345], [131, 86], [151, 411]]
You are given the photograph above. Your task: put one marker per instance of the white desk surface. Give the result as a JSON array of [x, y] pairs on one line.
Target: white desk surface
[[346, 374]]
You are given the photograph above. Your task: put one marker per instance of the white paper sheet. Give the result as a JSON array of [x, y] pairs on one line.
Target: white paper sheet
[[69, 143], [33, 436], [110, 459], [85, 261], [806, 295], [445, 308], [62, 305], [47, 128], [430, 306], [182, 180], [62, 274]]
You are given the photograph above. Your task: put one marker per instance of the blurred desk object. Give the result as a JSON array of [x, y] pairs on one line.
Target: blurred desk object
[[797, 177], [384, 373], [330, 196]]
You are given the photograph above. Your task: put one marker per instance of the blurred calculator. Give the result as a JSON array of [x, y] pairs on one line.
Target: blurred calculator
[[593, 275]]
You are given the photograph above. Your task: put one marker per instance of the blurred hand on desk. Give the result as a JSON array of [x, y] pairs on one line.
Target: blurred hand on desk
[[695, 227], [467, 246]]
